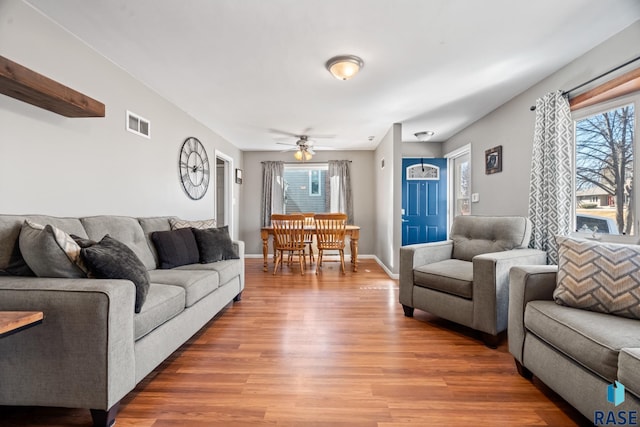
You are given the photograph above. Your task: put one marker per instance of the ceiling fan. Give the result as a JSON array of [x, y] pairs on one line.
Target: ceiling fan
[[303, 147]]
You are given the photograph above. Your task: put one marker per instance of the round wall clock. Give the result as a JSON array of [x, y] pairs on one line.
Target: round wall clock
[[194, 168]]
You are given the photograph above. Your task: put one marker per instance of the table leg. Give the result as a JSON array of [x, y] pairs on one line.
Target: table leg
[[355, 235], [265, 248]]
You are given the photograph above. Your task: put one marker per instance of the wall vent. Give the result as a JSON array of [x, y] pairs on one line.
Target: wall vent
[[138, 125]]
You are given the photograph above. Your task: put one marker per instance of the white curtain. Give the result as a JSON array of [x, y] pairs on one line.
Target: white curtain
[[340, 180], [551, 186], [272, 190]]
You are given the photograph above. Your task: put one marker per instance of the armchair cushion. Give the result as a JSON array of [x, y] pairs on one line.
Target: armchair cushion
[[476, 235], [452, 276], [602, 277]]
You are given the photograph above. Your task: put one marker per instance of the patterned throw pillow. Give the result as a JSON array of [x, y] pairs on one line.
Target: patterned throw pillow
[[50, 252], [201, 225], [603, 277]]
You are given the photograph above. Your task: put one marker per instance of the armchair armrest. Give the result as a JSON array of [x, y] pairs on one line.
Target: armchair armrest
[[412, 256], [86, 334], [527, 283], [491, 285]]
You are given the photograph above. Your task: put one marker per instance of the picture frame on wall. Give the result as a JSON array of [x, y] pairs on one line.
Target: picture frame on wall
[[493, 160], [238, 176]]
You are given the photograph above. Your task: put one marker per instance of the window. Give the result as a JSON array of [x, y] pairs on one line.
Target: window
[[306, 188], [605, 145]]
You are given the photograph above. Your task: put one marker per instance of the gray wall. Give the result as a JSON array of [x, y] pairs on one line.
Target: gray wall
[[54, 165], [362, 178], [512, 125]]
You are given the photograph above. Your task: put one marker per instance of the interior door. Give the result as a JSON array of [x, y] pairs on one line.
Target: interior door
[[424, 200]]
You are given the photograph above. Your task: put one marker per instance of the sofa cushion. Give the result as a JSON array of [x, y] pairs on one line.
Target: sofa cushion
[[214, 244], [452, 276], [112, 259], [163, 303], [584, 336], [226, 269], [124, 229], [199, 224], [629, 369], [197, 284], [477, 235], [175, 247], [596, 276], [49, 251]]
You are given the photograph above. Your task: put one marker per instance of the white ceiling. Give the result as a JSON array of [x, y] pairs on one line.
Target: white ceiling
[[244, 67]]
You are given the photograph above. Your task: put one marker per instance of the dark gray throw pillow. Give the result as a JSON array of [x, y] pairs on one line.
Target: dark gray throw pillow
[[112, 259], [17, 265], [176, 247], [214, 244]]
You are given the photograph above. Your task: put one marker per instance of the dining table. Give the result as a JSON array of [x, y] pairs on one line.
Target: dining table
[[351, 231]]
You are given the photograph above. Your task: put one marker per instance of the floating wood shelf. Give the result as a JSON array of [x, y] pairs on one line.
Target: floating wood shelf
[[26, 85]]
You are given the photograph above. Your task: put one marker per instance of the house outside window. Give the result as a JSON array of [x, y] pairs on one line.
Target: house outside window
[[306, 188], [606, 197]]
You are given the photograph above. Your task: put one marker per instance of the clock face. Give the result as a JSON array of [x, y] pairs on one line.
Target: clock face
[[194, 168]]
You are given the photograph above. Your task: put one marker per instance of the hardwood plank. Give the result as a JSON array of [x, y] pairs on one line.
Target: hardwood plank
[[324, 350]]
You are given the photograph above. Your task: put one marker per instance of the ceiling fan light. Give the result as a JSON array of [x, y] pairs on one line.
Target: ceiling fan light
[[298, 155], [344, 67], [307, 155]]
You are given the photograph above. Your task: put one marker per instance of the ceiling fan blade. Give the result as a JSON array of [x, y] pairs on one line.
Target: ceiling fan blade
[[321, 136], [282, 132], [285, 143]]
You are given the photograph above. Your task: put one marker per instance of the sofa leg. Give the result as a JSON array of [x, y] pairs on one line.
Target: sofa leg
[[102, 418], [238, 297], [524, 372], [491, 341], [408, 311]]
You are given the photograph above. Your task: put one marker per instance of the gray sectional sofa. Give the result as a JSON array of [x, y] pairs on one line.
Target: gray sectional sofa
[[574, 343], [92, 348]]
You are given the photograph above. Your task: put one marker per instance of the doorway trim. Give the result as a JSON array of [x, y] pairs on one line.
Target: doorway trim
[[450, 156], [228, 190]]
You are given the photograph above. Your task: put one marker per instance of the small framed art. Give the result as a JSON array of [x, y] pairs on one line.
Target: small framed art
[[238, 176], [493, 160]]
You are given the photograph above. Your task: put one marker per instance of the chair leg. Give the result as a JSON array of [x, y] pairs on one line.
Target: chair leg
[[302, 260], [319, 263], [342, 261], [279, 255]]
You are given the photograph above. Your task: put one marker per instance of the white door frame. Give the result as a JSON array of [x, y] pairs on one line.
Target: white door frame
[[458, 152], [228, 189]]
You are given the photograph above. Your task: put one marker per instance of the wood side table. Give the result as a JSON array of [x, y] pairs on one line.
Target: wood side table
[[16, 321]]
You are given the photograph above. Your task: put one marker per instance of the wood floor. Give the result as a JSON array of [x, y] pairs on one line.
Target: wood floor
[[327, 350]]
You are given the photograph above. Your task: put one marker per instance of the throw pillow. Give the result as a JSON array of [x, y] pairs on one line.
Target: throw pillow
[[214, 244], [112, 259], [201, 224], [17, 265], [176, 247], [49, 251], [596, 276]]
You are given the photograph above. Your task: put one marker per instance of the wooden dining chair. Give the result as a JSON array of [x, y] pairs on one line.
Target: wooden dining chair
[[330, 235], [288, 236], [309, 222]]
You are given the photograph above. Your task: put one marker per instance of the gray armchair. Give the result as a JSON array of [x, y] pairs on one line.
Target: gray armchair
[[466, 279]]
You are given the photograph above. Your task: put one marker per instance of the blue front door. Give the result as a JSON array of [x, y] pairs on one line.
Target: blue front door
[[424, 200]]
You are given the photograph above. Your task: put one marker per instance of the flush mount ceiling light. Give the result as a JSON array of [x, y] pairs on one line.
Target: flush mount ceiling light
[[424, 136], [344, 67]]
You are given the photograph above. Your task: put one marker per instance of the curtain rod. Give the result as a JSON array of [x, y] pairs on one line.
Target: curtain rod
[[305, 163], [567, 92]]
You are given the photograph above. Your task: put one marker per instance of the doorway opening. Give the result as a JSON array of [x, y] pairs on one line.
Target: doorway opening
[[224, 186]]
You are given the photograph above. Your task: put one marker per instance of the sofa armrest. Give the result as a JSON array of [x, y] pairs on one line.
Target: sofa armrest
[[526, 283], [86, 335], [238, 246], [412, 256], [491, 285]]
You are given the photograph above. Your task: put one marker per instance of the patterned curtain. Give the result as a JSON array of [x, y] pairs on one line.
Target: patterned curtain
[[551, 186], [340, 179], [272, 190]]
